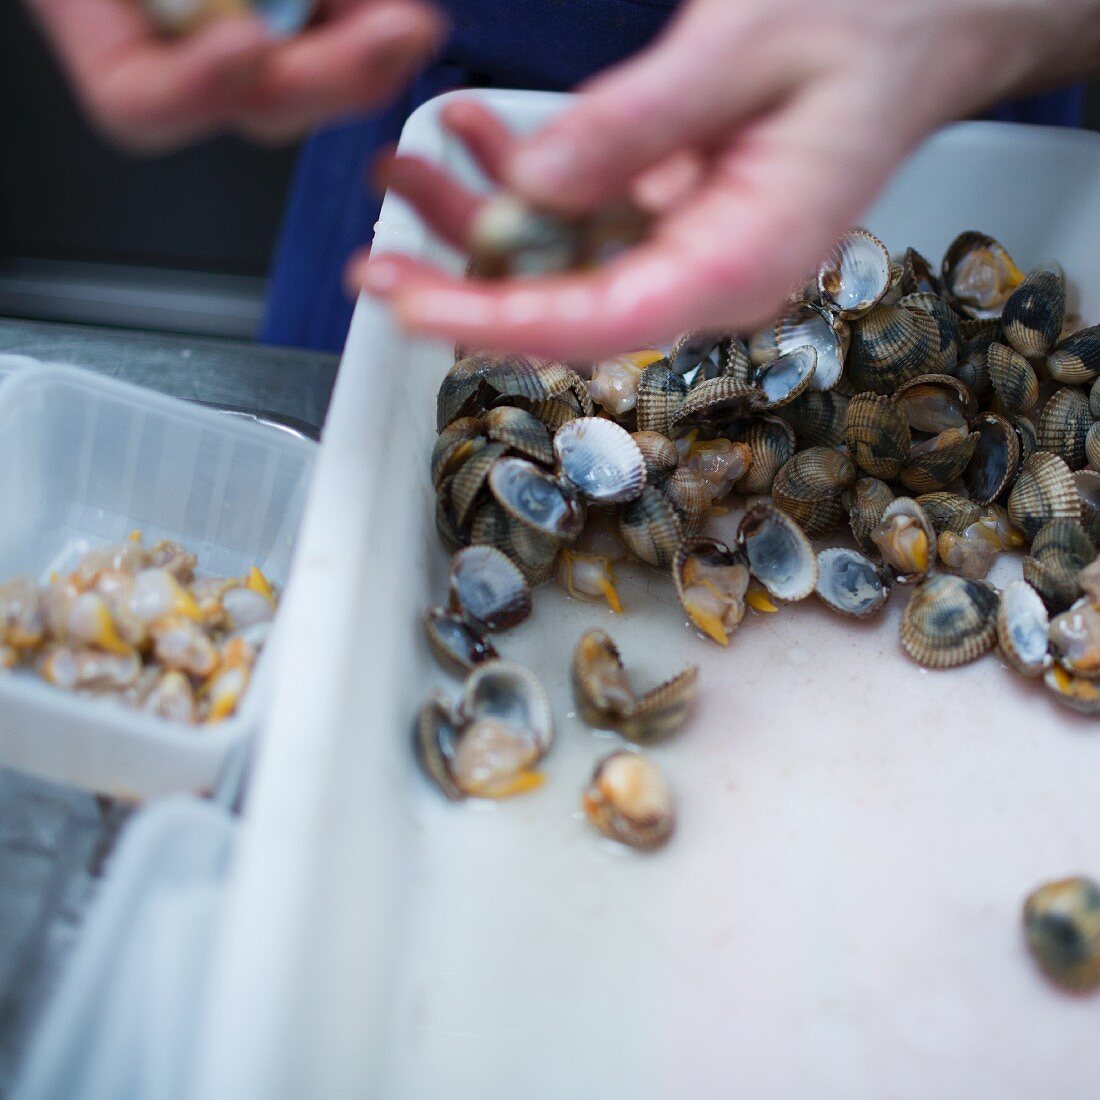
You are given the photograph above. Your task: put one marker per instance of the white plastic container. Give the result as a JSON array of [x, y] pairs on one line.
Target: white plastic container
[[122, 1026], [85, 461], [839, 912]]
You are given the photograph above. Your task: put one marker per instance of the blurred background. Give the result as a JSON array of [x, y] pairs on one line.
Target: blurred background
[[177, 243]]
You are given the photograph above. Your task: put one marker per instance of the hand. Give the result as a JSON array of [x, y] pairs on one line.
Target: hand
[[150, 93], [757, 131]]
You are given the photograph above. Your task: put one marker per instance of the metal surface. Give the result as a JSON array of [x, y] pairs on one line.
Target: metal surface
[[273, 383]]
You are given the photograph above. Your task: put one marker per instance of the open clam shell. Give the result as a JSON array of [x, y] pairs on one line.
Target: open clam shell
[[906, 539], [949, 511], [522, 431], [876, 433], [1076, 359], [979, 275], [711, 581], [536, 498], [1022, 623], [856, 273], [950, 621], [850, 583], [435, 733], [455, 644], [511, 694], [1034, 312], [935, 402], [697, 355], [600, 459], [487, 589], [917, 274], [1044, 490], [628, 800], [968, 553], [779, 554], [1075, 638], [995, 461], [1079, 693], [807, 324], [1064, 426], [787, 376], [938, 462]]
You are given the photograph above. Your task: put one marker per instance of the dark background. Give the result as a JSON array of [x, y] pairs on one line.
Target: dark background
[[67, 197]]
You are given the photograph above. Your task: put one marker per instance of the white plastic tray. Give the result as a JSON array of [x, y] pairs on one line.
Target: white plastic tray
[[85, 461], [838, 915]]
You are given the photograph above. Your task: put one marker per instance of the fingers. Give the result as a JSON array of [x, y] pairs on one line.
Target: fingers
[[447, 207], [642, 111], [485, 136], [354, 60], [147, 92], [783, 191]]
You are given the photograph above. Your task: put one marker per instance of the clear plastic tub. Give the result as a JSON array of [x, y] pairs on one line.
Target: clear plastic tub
[[87, 460]]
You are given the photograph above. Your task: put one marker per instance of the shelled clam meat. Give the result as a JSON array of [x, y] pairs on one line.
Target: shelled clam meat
[[136, 624]]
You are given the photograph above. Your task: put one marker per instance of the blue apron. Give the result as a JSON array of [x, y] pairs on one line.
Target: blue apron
[[539, 44]]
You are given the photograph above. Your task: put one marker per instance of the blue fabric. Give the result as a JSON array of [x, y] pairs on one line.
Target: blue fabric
[[539, 44]]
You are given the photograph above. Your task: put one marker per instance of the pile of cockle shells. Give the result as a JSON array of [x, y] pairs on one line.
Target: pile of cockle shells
[[942, 417], [135, 624]]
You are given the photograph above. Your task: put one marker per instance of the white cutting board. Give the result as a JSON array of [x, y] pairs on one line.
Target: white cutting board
[[838, 914]]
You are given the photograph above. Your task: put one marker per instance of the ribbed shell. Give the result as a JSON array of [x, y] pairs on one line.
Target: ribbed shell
[[650, 528], [717, 401], [817, 418], [456, 645], [1025, 433], [917, 276], [779, 553], [938, 462], [1063, 426], [1044, 490], [1033, 315], [695, 350], [1088, 489], [1054, 580], [1022, 623], [662, 712], [661, 391], [1092, 446], [687, 492], [1094, 399], [890, 345], [455, 444], [868, 499], [877, 435], [772, 444], [1077, 358], [946, 322], [996, 458], [1067, 539], [735, 360], [469, 484], [1013, 380], [659, 454], [849, 583], [522, 431], [856, 273], [815, 517], [949, 621], [450, 534], [935, 402], [532, 551], [949, 511], [474, 384], [816, 473], [600, 459], [805, 323]]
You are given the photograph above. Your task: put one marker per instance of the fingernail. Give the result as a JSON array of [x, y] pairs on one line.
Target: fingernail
[[544, 167]]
